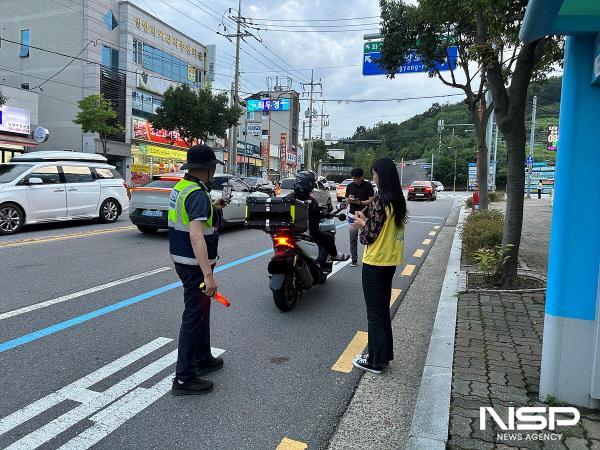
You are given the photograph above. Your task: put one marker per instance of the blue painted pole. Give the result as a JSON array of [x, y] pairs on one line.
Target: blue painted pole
[[574, 259]]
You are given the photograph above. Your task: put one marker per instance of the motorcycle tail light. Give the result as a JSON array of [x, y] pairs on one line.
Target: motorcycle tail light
[[283, 241]]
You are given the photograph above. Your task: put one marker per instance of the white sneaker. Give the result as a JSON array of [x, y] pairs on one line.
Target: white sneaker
[[360, 361]]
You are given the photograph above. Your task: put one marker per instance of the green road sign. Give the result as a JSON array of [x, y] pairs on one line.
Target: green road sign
[[373, 47]]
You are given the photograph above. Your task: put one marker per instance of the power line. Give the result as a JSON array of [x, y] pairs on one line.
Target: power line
[[305, 69], [318, 20]]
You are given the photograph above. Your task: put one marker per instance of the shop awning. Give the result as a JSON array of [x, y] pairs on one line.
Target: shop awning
[[7, 139]]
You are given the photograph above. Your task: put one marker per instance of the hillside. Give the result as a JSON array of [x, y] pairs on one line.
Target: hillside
[[417, 137]]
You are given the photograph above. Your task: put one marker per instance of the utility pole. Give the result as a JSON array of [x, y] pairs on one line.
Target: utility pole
[[454, 149], [239, 35], [401, 172], [324, 123], [311, 114], [531, 146]]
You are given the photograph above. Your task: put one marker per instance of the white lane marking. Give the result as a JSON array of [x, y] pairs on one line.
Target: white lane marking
[[64, 298], [129, 399], [410, 216], [111, 418], [423, 221], [338, 266], [34, 409]]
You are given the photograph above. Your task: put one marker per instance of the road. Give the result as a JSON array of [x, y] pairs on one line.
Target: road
[[89, 319]]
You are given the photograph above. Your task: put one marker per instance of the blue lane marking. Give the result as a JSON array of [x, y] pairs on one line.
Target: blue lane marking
[[114, 307]]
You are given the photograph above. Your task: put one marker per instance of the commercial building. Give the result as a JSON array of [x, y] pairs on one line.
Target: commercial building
[[65, 51], [18, 119], [268, 142]]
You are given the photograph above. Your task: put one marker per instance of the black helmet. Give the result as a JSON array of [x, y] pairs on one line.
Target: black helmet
[[305, 183]]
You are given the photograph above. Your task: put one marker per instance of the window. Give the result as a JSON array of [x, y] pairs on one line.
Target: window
[[218, 182], [104, 173], [238, 185], [25, 42], [250, 115], [8, 172], [137, 51], [48, 174], [110, 21], [25, 86], [288, 184], [265, 133], [77, 174], [110, 57]]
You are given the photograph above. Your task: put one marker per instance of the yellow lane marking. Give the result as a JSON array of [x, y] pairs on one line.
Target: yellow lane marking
[[408, 270], [356, 345], [432, 233], [290, 444], [395, 295], [62, 237], [427, 242], [418, 253], [437, 227]]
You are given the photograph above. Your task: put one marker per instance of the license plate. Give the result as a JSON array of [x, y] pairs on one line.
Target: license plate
[[420, 195], [151, 213]]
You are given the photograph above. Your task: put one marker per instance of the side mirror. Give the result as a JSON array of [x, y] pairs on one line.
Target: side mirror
[[35, 180], [342, 217]]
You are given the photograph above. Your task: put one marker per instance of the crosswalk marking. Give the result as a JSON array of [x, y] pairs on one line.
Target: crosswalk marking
[[122, 401]]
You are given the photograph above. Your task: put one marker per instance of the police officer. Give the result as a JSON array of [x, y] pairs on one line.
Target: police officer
[[193, 241]]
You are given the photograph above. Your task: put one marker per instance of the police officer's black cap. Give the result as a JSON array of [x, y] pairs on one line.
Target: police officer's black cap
[[200, 157]]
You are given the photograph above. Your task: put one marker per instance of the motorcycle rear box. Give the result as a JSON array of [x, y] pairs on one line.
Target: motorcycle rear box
[[279, 212]]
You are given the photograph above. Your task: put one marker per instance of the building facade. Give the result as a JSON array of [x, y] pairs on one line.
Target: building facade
[[121, 51], [18, 120], [268, 143]]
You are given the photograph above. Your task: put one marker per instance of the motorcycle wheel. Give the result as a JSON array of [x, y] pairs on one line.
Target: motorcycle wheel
[[286, 297]]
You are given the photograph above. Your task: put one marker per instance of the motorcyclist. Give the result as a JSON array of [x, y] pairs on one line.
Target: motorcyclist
[[305, 183]]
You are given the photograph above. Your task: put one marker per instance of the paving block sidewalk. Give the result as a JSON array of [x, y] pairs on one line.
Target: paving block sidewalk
[[497, 363]]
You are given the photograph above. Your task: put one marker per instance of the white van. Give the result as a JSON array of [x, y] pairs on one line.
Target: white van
[[53, 186]]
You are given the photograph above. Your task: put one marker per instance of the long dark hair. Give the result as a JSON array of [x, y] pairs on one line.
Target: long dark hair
[[389, 187]]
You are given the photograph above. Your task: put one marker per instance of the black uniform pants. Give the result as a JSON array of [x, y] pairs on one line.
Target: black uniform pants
[[327, 242], [377, 289], [194, 334]]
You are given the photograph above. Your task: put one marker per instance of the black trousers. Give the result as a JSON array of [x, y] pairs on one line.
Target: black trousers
[[194, 334], [377, 289], [325, 241]]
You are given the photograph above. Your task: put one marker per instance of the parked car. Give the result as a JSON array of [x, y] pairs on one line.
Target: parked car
[[321, 193], [422, 190], [439, 186], [47, 186], [260, 184], [150, 202], [341, 189], [332, 185]]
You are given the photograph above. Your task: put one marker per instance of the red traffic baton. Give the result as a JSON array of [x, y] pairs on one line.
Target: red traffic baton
[[217, 297]]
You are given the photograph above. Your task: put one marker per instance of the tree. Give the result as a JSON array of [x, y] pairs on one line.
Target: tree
[[195, 115], [430, 29], [319, 152], [97, 115], [2, 99], [486, 33]]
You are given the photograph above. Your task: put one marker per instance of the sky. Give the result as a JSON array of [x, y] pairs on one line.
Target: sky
[[297, 52]]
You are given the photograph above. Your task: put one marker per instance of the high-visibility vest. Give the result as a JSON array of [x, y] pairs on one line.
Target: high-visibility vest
[[180, 244]]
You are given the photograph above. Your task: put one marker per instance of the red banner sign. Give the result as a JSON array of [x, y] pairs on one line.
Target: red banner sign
[[142, 129], [282, 151]]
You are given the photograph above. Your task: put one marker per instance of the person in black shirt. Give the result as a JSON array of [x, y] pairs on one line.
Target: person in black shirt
[[359, 194]]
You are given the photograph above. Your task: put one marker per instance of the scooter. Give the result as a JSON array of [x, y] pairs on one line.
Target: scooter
[[294, 267]]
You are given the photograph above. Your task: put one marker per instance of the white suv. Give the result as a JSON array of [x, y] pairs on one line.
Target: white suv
[[43, 186]]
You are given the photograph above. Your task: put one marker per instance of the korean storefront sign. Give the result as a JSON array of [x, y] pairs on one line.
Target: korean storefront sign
[[282, 150], [15, 120], [142, 130], [169, 39]]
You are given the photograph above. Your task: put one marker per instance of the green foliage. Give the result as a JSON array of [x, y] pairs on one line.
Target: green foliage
[[469, 202], [497, 196], [319, 152], [2, 99], [482, 230], [97, 115], [488, 259], [195, 115]]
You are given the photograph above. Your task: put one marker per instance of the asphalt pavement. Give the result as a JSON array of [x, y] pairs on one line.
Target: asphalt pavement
[[89, 318]]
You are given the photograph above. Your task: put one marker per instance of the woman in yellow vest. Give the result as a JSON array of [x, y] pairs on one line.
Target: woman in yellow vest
[[382, 233]]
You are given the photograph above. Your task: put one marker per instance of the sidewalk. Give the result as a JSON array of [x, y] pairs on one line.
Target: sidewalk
[[380, 413], [497, 356]]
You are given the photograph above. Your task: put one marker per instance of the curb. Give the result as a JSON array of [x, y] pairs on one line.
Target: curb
[[429, 428]]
